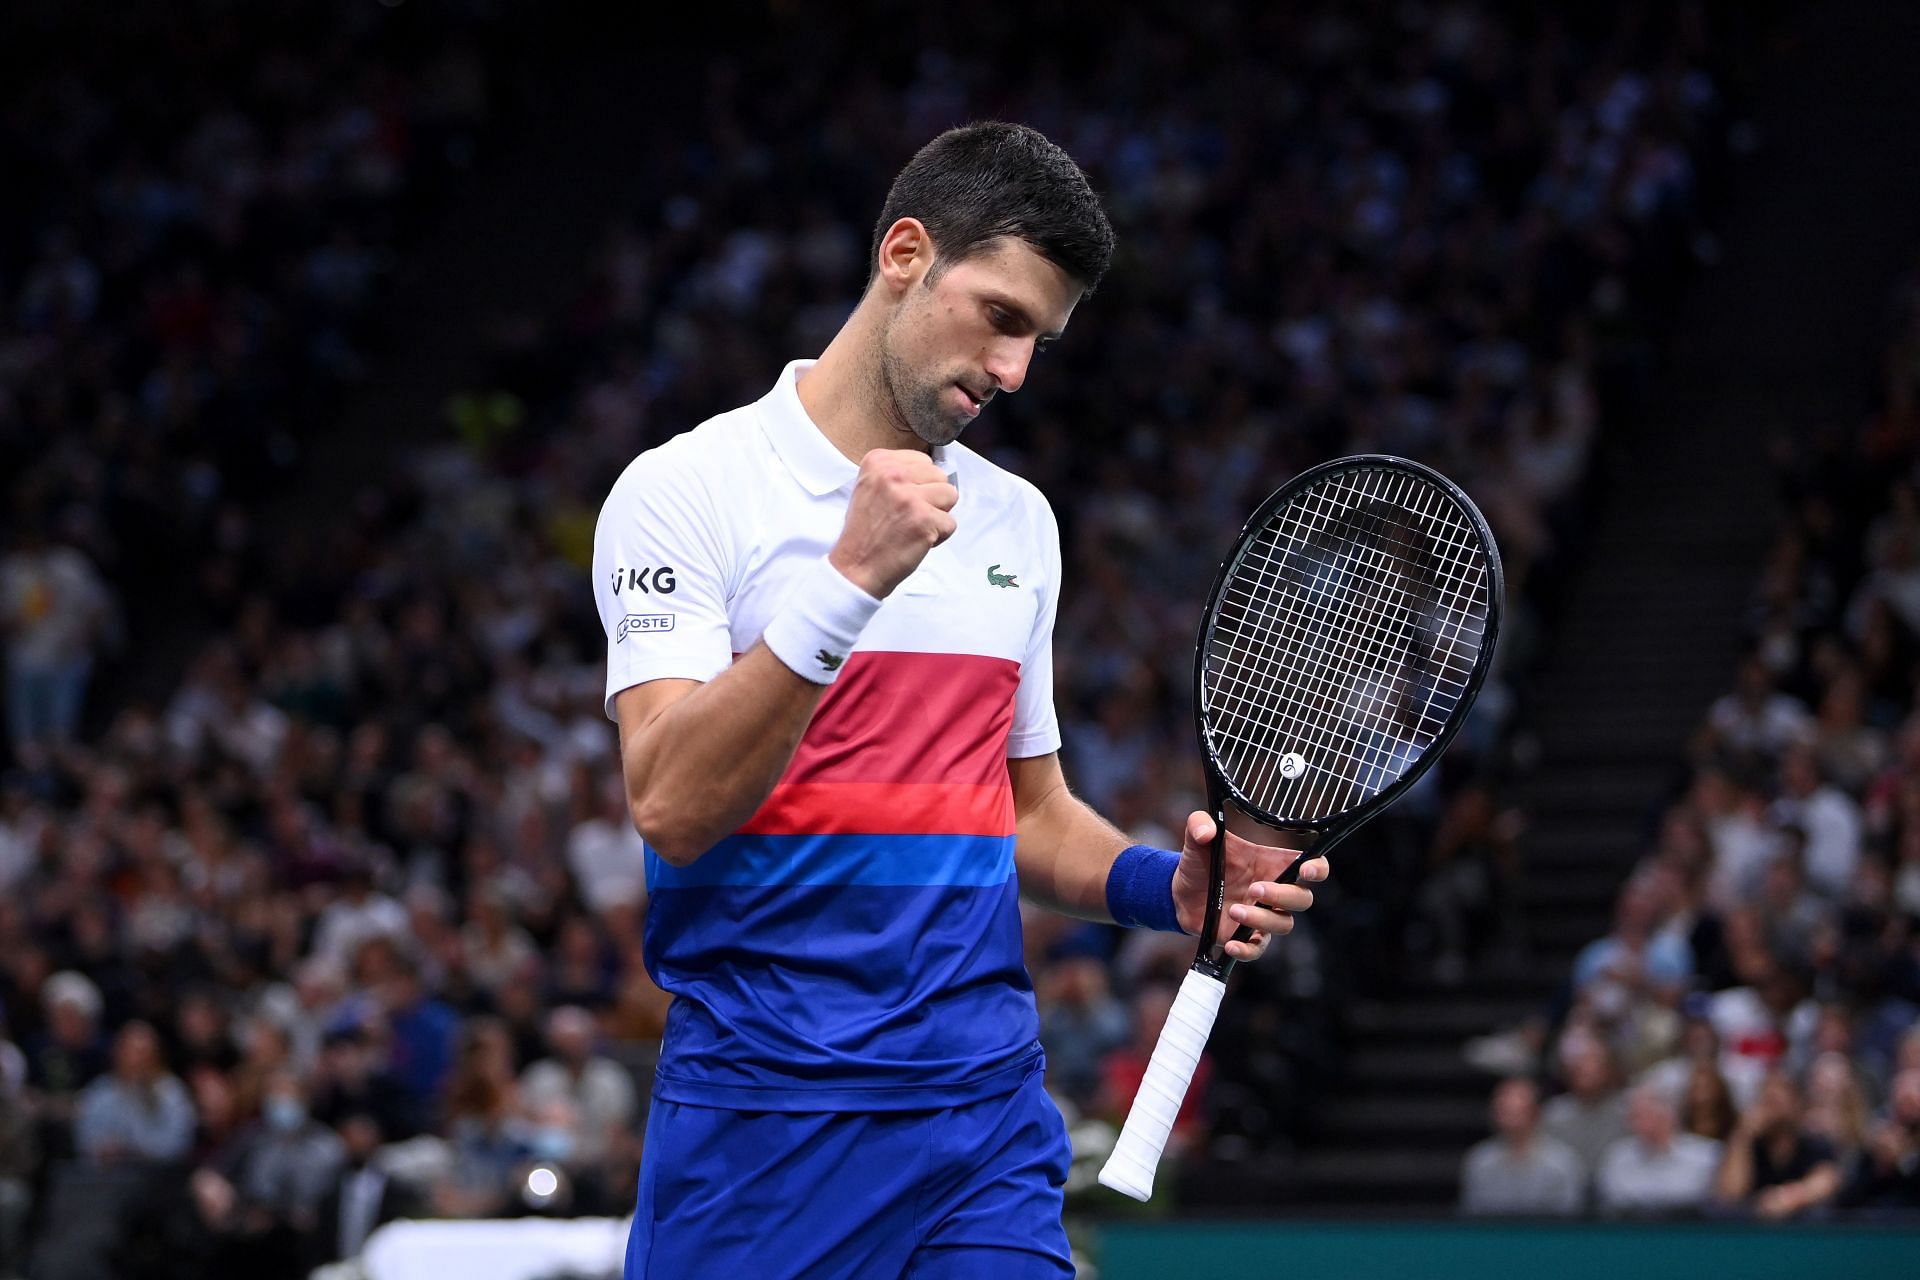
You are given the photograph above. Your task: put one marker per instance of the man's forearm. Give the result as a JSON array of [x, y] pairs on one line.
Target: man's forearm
[[700, 769], [1064, 853]]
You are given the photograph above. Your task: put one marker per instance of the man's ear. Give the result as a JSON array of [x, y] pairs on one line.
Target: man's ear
[[906, 255]]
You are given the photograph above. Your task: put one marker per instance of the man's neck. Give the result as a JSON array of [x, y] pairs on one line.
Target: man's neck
[[845, 396]]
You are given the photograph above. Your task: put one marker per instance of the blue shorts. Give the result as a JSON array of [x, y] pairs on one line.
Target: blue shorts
[[921, 1195]]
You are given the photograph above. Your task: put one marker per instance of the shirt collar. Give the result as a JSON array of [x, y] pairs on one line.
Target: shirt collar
[[816, 463]]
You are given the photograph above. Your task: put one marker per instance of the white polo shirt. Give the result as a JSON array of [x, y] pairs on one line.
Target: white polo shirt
[[700, 538], [856, 944]]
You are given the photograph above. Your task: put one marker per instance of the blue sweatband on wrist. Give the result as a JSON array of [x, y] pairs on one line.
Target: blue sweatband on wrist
[[1140, 889]]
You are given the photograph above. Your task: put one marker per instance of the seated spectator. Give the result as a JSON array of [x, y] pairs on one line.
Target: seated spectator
[[605, 853], [1836, 1105], [599, 1089], [1885, 1175], [69, 1054], [485, 1124], [1657, 1168], [137, 1111], [1828, 816], [349, 1081], [1773, 1168], [1707, 1109], [1521, 1170], [360, 1197], [1080, 1024], [1758, 1022], [1756, 719], [263, 1204], [1591, 1115]]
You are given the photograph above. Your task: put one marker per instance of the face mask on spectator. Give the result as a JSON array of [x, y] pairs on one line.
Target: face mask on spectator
[[551, 1142], [285, 1114]]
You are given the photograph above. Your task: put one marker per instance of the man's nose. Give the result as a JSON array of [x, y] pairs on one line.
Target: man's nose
[[1007, 363]]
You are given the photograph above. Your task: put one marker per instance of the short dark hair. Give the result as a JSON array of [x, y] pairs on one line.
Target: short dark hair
[[972, 185]]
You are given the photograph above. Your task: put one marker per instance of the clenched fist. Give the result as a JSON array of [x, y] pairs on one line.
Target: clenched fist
[[900, 511]]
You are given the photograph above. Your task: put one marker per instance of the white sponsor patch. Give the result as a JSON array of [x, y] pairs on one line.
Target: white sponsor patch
[[637, 622]]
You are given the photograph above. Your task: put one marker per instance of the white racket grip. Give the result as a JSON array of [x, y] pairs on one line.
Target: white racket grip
[[1129, 1170]]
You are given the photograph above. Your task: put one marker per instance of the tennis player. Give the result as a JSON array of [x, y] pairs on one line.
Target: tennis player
[[828, 637]]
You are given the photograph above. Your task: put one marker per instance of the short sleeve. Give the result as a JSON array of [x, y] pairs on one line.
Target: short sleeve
[[660, 573], [1036, 729]]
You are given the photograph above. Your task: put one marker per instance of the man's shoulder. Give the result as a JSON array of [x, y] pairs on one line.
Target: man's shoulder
[[980, 472], [704, 452]]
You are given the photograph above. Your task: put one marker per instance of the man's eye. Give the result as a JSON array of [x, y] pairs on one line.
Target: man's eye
[[999, 318]]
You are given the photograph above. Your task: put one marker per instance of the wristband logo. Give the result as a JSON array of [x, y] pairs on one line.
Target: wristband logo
[[634, 623], [830, 661], [647, 578]]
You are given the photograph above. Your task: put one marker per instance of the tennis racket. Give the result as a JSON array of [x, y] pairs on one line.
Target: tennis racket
[[1343, 644]]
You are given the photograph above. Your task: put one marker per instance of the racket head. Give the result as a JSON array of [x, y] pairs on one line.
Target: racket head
[[1350, 628]]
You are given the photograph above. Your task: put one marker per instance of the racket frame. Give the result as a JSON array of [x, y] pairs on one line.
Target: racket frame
[[1211, 957]]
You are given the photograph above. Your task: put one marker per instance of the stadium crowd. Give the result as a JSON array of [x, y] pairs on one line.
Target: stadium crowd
[[1746, 1041], [348, 926]]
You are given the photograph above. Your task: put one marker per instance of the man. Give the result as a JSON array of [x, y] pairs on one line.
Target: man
[[137, 1111], [1521, 1170], [362, 1195], [262, 1203], [828, 635], [598, 1089], [1656, 1168], [1591, 1115]]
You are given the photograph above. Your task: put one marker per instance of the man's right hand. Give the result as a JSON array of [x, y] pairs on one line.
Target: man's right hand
[[901, 509]]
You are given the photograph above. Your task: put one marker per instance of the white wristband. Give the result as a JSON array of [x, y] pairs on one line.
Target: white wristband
[[819, 623]]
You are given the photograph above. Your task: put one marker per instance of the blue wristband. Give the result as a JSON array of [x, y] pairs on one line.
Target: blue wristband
[[1140, 889]]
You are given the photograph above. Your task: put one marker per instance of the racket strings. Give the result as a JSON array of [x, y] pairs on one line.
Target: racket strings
[[1345, 636], [1352, 642]]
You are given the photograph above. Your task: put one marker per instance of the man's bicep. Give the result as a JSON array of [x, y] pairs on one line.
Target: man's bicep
[[636, 708]]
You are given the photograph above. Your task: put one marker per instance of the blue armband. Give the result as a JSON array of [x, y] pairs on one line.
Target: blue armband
[[1140, 889]]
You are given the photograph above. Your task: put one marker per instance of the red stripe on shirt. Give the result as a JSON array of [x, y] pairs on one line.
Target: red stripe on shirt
[[912, 717], [884, 808]]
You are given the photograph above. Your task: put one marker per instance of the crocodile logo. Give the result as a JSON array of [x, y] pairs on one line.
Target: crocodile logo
[[831, 661], [997, 579]]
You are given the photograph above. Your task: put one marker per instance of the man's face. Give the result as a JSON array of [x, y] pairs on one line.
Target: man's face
[[960, 336]]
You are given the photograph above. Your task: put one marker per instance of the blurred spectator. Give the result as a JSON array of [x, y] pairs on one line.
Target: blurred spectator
[[262, 1202], [361, 1195], [599, 1090], [1757, 1023], [1707, 1108], [70, 1054], [349, 1081], [421, 1031], [1521, 1170], [1773, 1168], [1756, 720], [1827, 815], [1080, 1024], [137, 1111], [1592, 1114], [1885, 1174], [55, 611], [485, 1125], [1657, 1168], [605, 852]]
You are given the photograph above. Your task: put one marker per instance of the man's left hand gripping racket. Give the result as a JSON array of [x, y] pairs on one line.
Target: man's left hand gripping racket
[[1343, 645]]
